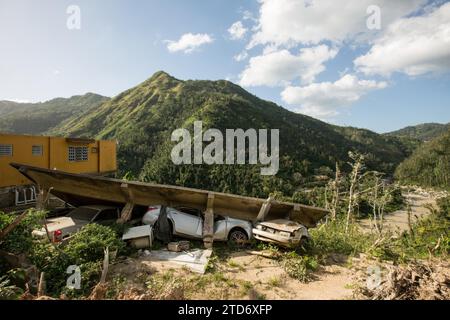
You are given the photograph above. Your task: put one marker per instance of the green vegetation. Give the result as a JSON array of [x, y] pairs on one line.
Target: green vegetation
[[143, 118], [422, 132], [85, 249], [300, 267], [44, 117], [7, 290], [429, 165], [19, 240]]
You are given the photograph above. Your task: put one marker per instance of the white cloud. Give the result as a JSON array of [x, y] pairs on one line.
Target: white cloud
[[288, 22], [189, 42], [326, 99], [241, 56], [414, 45], [237, 31], [17, 100], [248, 15], [275, 68]]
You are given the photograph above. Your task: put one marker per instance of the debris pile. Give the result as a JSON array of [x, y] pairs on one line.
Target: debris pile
[[415, 281]]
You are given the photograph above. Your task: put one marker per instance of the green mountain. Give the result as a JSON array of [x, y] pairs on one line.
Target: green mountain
[[40, 118], [429, 165], [143, 118], [422, 132]]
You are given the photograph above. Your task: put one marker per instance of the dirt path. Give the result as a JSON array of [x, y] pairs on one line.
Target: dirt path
[[269, 278], [398, 220]]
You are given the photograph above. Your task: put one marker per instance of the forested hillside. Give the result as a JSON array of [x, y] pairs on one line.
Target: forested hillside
[[422, 132], [143, 118], [40, 118], [429, 165]]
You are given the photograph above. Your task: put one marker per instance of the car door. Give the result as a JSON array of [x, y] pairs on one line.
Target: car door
[[220, 228], [187, 221]]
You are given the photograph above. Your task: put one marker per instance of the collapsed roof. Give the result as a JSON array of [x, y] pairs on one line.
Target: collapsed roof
[[84, 189]]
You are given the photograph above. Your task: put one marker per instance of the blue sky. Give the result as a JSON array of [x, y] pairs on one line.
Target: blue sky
[[356, 78]]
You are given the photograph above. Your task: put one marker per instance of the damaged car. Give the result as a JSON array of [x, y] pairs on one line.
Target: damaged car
[[282, 232], [60, 228], [188, 222]]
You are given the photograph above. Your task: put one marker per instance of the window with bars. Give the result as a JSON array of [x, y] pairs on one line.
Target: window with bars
[[37, 150], [6, 150], [78, 153]]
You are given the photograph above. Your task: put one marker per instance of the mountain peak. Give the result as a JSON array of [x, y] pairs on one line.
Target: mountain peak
[[161, 76]]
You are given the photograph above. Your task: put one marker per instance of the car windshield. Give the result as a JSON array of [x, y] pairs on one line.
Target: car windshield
[[83, 213]]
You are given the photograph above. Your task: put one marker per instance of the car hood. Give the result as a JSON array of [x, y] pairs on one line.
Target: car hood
[[63, 223], [282, 225]]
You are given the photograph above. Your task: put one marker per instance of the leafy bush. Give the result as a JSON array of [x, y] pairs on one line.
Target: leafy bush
[[429, 235], [20, 240], [299, 267], [8, 291], [89, 244], [54, 262], [332, 238], [85, 249]]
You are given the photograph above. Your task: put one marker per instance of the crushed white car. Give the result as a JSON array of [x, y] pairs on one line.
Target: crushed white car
[[282, 232], [188, 222]]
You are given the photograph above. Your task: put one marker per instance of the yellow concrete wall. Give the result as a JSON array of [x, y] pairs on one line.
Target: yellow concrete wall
[[59, 157], [106, 162], [22, 154], [101, 157]]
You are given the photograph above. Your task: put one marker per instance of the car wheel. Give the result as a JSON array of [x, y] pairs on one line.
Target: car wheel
[[237, 236]]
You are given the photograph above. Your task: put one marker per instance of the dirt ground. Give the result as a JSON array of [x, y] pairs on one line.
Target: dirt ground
[[329, 283], [243, 276]]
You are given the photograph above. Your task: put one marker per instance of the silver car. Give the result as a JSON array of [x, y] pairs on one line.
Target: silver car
[[63, 227], [188, 222]]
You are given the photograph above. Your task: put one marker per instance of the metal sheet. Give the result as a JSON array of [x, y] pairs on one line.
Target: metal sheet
[[195, 260]]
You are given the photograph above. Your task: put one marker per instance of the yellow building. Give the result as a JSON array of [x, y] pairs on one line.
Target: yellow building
[[72, 155]]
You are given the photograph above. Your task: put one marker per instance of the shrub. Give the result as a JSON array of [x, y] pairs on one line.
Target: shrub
[[8, 291], [85, 249], [299, 267], [20, 240], [54, 262], [332, 238], [88, 245]]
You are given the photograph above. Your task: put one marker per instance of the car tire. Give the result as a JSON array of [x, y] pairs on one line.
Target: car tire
[[238, 236]]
